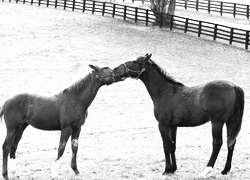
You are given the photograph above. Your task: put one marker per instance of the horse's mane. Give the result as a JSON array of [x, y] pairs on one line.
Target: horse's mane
[[165, 75], [78, 86]]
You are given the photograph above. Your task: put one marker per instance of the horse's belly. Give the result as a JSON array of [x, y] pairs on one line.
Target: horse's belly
[[45, 119], [45, 124], [193, 121]]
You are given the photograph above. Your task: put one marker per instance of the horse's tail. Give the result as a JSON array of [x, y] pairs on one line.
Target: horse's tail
[[235, 121]]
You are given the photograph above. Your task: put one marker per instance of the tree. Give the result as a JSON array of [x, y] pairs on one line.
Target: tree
[[167, 7]]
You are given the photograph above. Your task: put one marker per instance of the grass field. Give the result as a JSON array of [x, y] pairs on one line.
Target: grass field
[[43, 51]]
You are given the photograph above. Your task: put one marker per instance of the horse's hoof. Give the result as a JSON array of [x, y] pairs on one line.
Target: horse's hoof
[[224, 172], [208, 172], [166, 172], [6, 178]]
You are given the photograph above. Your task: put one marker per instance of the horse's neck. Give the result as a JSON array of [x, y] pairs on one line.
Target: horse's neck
[[156, 85], [88, 95]]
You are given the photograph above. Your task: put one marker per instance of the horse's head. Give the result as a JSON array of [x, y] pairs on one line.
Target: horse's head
[[132, 69], [105, 74]]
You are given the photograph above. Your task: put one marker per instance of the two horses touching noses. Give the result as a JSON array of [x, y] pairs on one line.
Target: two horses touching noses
[[175, 105]]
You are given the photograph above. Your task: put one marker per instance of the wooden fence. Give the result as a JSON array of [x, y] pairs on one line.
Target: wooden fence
[[209, 6], [215, 31], [216, 6], [201, 28]]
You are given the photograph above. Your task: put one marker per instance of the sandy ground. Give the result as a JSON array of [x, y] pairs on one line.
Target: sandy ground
[[43, 51]]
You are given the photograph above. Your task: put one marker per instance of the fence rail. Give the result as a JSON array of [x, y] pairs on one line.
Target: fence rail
[[209, 6], [187, 25], [216, 31], [216, 6]]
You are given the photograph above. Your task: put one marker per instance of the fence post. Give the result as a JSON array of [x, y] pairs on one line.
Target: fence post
[[84, 4], [125, 13], [199, 30], [23, 1], [93, 7], [113, 14], [215, 31], [73, 6], [39, 2], [247, 11], [136, 14], [171, 22], [197, 5], [103, 8], [56, 4], [47, 3], [64, 6], [186, 26], [247, 40], [185, 4], [208, 8], [31, 2], [146, 17], [231, 36], [221, 8], [234, 9]]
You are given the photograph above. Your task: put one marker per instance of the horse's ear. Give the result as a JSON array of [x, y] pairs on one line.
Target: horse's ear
[[148, 58], [93, 67]]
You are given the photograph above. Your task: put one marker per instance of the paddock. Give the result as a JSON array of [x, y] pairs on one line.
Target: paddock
[[44, 50]]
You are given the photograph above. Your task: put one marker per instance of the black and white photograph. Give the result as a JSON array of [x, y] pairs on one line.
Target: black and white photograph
[[125, 89]]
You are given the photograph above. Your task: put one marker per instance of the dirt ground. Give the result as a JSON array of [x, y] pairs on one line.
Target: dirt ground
[[43, 51]]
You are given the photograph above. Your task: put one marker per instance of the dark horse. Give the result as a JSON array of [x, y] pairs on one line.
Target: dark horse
[[176, 105], [65, 111]]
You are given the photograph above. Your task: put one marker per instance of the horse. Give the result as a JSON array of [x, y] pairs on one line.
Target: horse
[[176, 105], [65, 111]]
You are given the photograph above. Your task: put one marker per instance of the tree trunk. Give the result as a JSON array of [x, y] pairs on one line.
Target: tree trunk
[[160, 6]]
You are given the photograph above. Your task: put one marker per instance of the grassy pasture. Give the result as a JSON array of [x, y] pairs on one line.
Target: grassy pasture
[[43, 51]]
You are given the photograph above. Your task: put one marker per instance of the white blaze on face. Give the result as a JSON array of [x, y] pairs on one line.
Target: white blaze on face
[[75, 142]]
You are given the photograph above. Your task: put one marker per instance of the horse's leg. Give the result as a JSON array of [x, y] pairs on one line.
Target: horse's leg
[[229, 159], [173, 148], [229, 154], [65, 134], [11, 133], [16, 141], [74, 147], [217, 143], [14, 148], [166, 138]]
